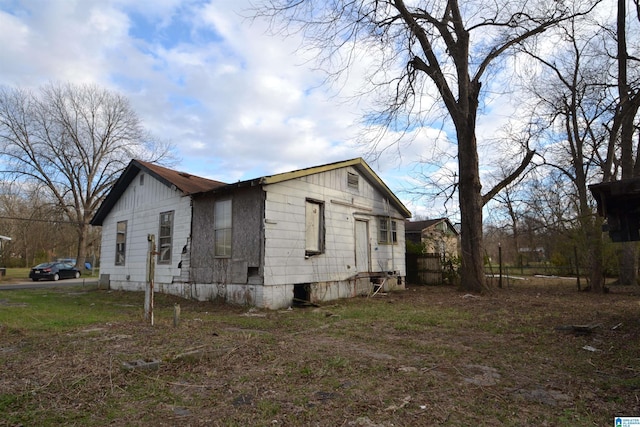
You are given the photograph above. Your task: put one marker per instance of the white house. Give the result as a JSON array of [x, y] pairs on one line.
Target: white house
[[315, 234]]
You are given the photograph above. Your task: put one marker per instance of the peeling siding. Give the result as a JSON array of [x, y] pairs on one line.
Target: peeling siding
[[268, 256], [285, 261]]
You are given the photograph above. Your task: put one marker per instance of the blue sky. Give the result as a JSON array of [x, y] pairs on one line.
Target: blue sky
[[236, 102]]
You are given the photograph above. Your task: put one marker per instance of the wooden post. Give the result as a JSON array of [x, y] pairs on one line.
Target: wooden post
[[500, 263], [151, 272], [575, 254], [176, 314]]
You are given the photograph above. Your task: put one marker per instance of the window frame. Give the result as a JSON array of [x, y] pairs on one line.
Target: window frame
[[314, 239], [165, 240], [353, 181], [387, 231], [223, 228], [121, 247]]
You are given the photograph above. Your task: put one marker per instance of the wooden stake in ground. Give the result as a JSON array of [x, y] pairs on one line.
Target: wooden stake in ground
[[151, 272], [176, 314]]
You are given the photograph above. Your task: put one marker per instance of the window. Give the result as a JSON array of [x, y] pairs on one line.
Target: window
[[222, 228], [141, 179], [121, 242], [314, 227], [353, 180], [165, 237], [387, 231]]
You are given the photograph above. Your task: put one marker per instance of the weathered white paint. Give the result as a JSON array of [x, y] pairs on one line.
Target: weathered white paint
[[285, 263], [140, 206], [329, 275]]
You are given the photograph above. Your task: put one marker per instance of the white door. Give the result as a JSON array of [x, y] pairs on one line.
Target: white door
[[362, 247]]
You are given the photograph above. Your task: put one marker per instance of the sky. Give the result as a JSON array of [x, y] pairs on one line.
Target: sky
[[236, 102]]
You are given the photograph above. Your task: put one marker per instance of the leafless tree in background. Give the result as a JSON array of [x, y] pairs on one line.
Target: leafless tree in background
[[572, 97], [444, 45], [73, 141], [625, 124]]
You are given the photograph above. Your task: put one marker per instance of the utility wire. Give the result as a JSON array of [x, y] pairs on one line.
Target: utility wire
[[40, 220]]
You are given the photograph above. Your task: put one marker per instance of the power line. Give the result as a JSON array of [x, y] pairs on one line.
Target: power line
[[56, 221]]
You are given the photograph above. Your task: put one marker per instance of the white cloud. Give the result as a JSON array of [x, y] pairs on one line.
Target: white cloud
[[237, 103]]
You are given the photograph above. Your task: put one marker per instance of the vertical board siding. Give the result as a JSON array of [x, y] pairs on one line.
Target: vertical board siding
[[246, 238], [285, 261], [140, 206], [425, 269]]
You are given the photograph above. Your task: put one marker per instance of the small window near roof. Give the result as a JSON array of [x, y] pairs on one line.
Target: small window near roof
[[353, 180], [141, 179]]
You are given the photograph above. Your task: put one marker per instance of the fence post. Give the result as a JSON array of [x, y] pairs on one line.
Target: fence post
[[151, 267], [575, 254], [500, 265]]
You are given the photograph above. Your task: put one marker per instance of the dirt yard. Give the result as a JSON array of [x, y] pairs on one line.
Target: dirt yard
[[537, 353]]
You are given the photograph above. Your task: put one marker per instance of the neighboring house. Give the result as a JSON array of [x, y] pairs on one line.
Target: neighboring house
[[316, 234], [438, 236]]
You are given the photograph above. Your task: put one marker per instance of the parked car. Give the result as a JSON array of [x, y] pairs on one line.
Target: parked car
[[72, 261], [54, 271]]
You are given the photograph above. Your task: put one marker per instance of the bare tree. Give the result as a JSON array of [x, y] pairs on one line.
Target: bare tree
[[26, 223], [446, 45], [624, 124], [571, 94], [508, 213], [73, 141]]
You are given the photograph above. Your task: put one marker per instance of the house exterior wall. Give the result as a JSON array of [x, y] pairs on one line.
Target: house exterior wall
[[269, 262], [140, 205], [331, 274]]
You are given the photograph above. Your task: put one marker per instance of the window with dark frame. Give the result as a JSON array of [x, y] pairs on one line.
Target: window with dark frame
[[314, 227], [121, 242], [165, 237], [222, 228]]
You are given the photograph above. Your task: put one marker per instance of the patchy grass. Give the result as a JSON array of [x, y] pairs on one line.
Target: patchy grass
[[426, 356], [12, 274]]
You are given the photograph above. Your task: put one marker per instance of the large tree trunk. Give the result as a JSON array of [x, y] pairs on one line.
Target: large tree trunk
[[469, 191], [83, 231], [628, 263]]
